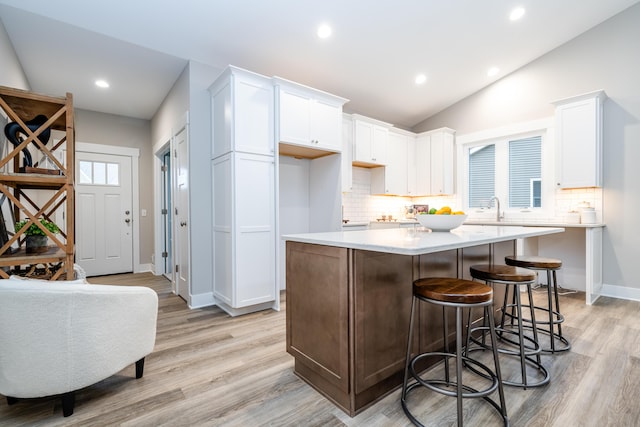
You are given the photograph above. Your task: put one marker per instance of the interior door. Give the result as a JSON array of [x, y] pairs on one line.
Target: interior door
[[182, 214], [104, 218]]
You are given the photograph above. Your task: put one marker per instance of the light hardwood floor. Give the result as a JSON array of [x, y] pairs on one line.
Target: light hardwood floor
[[213, 370]]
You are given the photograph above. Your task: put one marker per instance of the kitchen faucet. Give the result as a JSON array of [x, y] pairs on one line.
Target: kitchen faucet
[[498, 216]]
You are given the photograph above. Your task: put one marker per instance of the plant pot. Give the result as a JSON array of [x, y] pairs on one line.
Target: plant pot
[[37, 244]]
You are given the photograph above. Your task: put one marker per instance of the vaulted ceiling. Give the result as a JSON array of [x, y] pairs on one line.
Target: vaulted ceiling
[[372, 57]]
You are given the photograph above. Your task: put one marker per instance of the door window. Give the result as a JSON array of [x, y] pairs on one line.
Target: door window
[[99, 173]]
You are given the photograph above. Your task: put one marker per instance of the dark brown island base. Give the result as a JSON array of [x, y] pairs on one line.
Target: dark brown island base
[[349, 296]]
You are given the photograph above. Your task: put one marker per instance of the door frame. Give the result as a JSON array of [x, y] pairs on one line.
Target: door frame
[[164, 144], [134, 154]]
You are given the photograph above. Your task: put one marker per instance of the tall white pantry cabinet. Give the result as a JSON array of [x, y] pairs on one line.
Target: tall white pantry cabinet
[[244, 192]]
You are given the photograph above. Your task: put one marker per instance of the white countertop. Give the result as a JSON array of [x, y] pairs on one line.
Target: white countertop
[[510, 223], [532, 223], [418, 240]]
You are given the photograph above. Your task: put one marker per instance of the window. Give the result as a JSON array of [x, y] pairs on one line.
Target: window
[[524, 169], [99, 173], [482, 175], [514, 163]]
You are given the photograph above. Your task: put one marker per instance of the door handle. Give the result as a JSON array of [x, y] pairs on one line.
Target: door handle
[[127, 220], [183, 223]]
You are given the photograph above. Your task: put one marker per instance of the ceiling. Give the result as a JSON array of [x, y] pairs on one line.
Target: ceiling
[[372, 58]]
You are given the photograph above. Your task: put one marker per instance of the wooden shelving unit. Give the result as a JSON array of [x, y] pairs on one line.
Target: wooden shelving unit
[[21, 106]]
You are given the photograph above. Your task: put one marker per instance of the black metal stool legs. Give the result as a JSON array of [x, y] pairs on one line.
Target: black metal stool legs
[[460, 390], [557, 342]]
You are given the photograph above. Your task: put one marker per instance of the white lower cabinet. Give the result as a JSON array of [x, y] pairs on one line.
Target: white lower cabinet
[[244, 227]]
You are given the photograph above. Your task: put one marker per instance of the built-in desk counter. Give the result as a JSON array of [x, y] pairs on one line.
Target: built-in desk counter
[[579, 248], [349, 296]]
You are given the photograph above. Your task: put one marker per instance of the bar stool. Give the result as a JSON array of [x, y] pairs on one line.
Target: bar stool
[[550, 265], [527, 347], [458, 294]]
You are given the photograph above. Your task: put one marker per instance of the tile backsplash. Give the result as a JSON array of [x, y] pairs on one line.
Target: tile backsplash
[[360, 206]]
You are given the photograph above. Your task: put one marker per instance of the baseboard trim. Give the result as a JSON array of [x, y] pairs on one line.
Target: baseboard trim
[[620, 292], [201, 300]]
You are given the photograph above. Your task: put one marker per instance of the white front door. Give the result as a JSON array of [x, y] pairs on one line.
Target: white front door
[[104, 218], [182, 214]]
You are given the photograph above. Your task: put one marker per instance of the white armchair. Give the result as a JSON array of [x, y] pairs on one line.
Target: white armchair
[[59, 337]]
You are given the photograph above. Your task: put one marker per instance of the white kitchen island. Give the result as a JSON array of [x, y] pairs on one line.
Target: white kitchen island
[[349, 295]]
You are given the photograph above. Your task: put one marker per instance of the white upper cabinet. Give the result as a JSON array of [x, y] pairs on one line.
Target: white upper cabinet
[[435, 162], [370, 141], [307, 118], [347, 154], [392, 179], [411, 166], [422, 156], [242, 111], [578, 122]]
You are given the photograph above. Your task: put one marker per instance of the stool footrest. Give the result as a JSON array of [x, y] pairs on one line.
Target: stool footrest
[[559, 317], [429, 383]]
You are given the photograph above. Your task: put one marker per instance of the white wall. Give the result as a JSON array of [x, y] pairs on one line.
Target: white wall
[[11, 72], [190, 94], [110, 129], [200, 78], [606, 57]]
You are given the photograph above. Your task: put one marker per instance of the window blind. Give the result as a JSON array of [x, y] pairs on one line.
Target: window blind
[[524, 168]]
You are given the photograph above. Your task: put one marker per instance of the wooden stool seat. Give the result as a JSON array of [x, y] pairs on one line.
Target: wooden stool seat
[[502, 273], [452, 290], [535, 262]]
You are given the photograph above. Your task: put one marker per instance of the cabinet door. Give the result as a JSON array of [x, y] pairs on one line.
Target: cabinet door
[[441, 163], [222, 236], [294, 117], [221, 120], [253, 116], [318, 314], [363, 140], [397, 164], [370, 143], [423, 165], [392, 179], [382, 301], [326, 125], [580, 144], [379, 145], [411, 166], [254, 230], [347, 155]]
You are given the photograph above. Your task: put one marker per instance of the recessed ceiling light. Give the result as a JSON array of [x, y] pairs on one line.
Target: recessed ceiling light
[[493, 71], [324, 31], [102, 83], [517, 13], [420, 79]]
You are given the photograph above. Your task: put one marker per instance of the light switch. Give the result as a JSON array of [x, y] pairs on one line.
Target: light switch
[[143, 212]]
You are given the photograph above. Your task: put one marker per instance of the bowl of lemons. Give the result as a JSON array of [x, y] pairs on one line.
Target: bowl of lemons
[[443, 219]]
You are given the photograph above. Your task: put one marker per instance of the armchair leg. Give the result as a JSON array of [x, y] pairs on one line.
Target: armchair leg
[[11, 400], [139, 368], [68, 402]]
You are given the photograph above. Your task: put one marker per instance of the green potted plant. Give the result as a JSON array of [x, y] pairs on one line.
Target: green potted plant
[[37, 240]]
